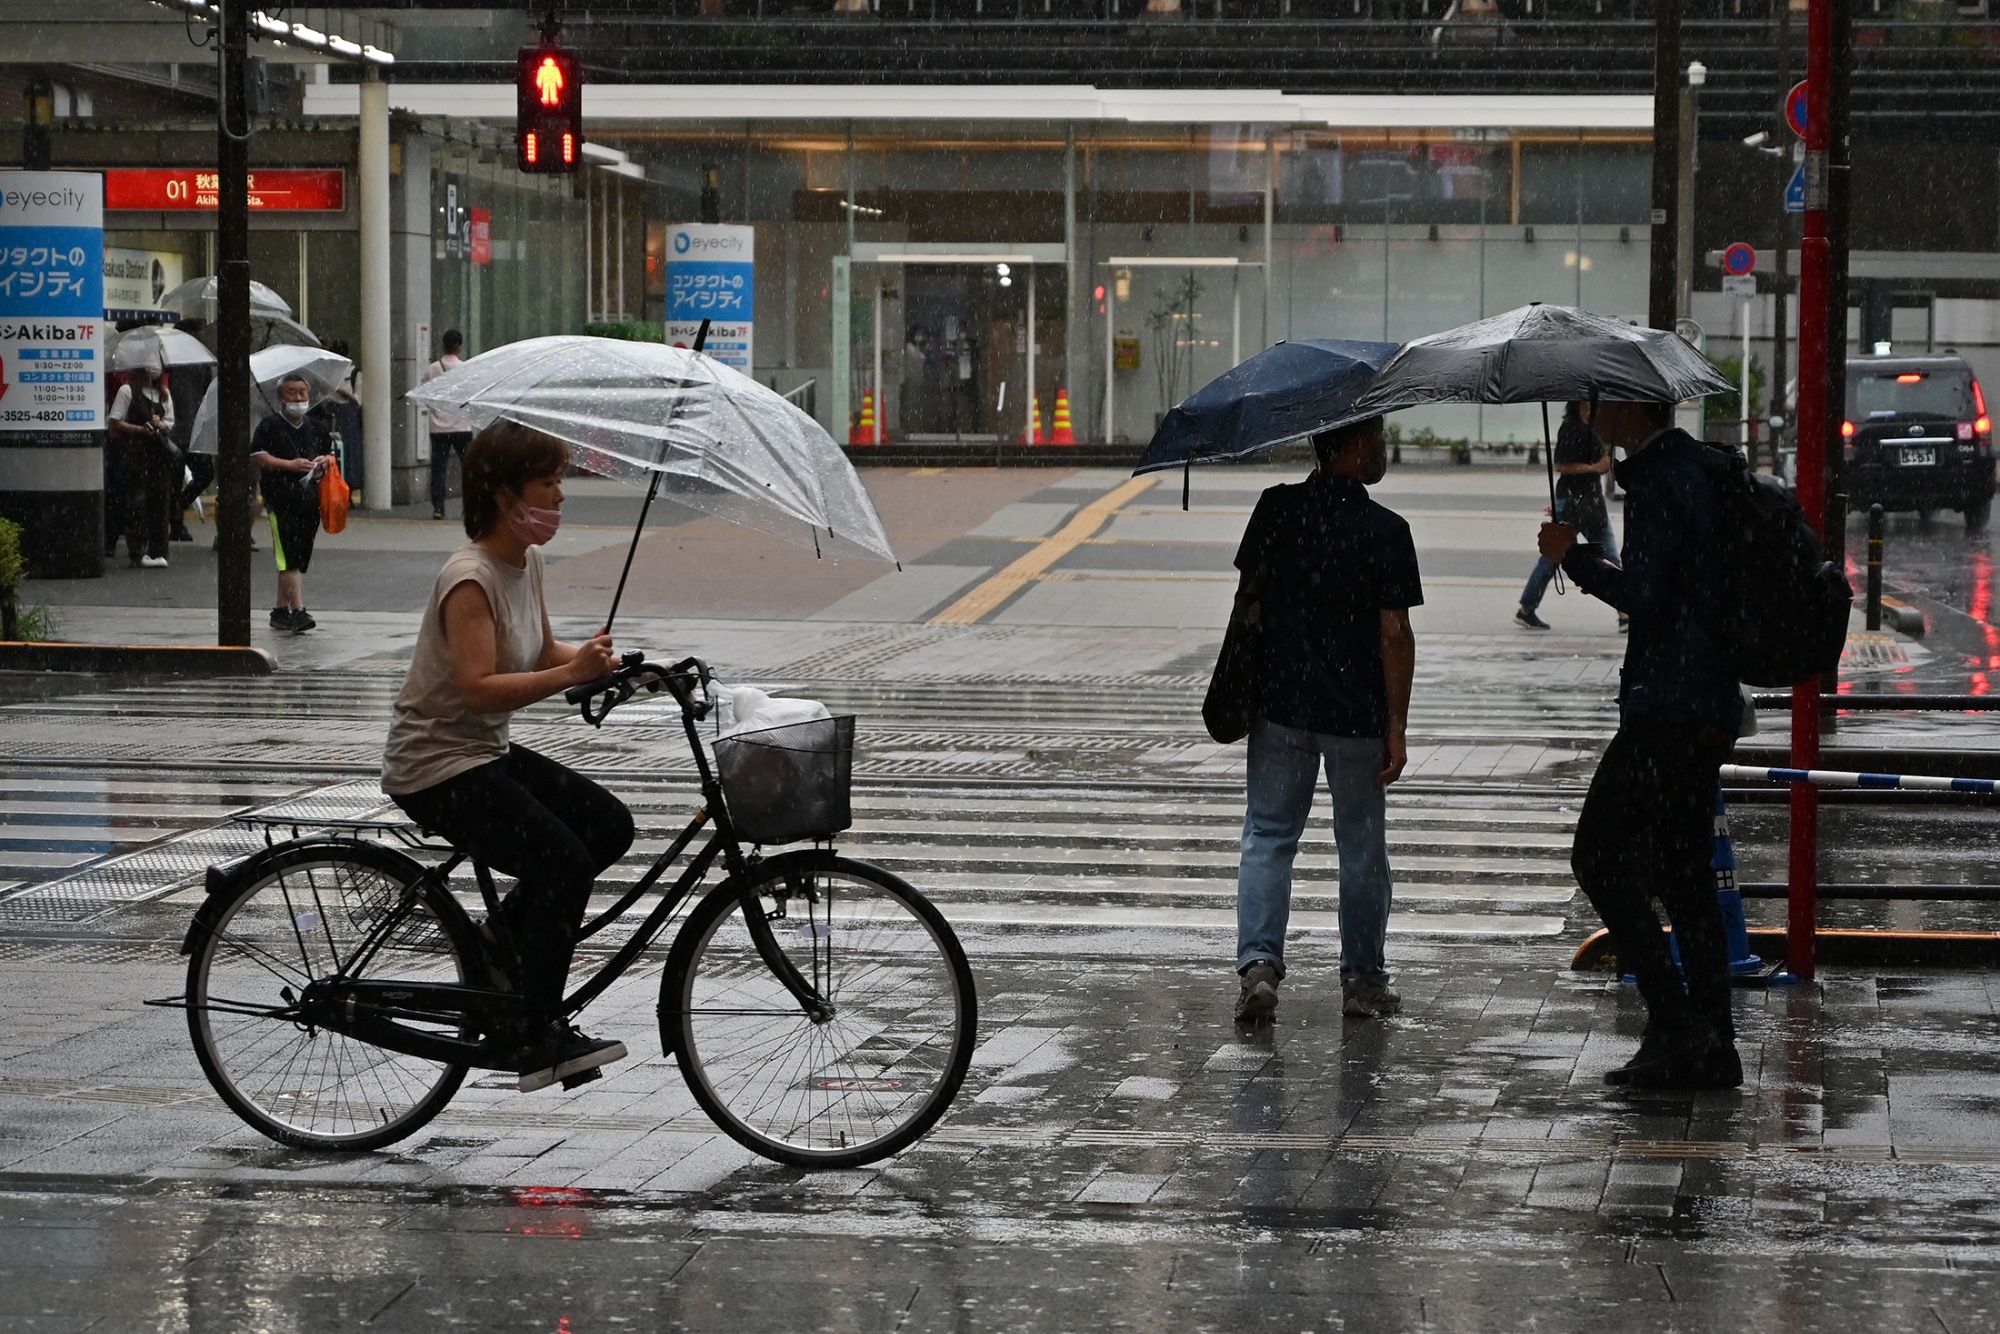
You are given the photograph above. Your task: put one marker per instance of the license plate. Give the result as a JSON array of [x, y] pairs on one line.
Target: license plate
[[1922, 456]]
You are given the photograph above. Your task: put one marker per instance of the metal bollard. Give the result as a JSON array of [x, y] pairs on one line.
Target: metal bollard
[[1874, 567]]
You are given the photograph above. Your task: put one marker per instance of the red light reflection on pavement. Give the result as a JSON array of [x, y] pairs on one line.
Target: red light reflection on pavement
[[552, 1211]]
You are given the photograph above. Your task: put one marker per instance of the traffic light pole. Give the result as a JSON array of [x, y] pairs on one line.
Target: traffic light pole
[[1822, 393], [1662, 287], [232, 329]]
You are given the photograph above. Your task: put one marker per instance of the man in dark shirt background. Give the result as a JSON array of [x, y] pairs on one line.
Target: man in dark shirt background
[[286, 450], [1333, 575], [1581, 460], [1647, 826]]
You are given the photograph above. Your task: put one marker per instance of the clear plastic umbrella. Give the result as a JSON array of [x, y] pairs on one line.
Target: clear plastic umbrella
[[709, 437], [198, 298], [324, 371], [158, 346]]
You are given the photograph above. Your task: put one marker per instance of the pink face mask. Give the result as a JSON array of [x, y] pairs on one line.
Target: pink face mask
[[534, 526]]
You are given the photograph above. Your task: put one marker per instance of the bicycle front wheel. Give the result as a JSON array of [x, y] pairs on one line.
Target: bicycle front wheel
[[304, 912], [836, 1091]]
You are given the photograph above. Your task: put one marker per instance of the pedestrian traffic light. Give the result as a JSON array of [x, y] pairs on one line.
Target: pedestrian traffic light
[[548, 96]]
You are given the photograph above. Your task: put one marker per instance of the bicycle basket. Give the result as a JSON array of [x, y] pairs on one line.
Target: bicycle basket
[[788, 784]]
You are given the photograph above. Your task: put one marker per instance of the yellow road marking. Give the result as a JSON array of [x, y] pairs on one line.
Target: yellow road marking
[[982, 601]]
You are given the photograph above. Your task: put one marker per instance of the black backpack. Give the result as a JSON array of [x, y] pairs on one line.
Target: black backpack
[[1783, 607]]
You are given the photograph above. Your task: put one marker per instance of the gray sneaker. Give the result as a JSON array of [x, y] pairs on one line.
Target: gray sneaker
[[1259, 999], [1368, 1000]]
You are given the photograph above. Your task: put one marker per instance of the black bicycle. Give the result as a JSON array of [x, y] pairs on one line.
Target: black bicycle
[[820, 1009]]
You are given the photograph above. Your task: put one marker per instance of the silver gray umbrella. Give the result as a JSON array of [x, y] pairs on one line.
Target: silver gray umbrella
[[198, 298], [1543, 354]]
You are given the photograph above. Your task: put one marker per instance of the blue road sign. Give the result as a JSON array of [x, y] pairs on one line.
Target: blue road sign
[[1795, 108], [1739, 259], [1795, 193]]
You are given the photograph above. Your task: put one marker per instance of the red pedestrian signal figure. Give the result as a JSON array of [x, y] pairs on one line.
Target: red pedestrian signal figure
[[548, 126]]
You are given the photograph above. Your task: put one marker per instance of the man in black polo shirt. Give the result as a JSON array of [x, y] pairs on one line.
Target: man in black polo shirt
[[1334, 575], [287, 450]]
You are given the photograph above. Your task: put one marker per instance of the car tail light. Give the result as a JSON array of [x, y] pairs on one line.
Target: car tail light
[[1847, 430]]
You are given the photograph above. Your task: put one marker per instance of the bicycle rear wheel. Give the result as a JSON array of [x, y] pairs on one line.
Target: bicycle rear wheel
[[867, 1081], [302, 912]]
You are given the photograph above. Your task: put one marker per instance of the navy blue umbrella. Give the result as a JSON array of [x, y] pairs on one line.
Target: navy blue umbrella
[[1282, 394]]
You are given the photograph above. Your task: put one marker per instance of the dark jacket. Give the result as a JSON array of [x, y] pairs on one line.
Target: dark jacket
[[1669, 581]]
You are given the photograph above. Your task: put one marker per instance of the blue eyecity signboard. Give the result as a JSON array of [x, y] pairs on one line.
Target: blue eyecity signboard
[[51, 301], [712, 275]]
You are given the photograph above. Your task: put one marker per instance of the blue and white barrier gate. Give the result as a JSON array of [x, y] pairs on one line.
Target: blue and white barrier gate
[[1743, 773]]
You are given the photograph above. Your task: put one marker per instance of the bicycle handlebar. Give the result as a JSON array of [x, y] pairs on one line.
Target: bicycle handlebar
[[687, 681]]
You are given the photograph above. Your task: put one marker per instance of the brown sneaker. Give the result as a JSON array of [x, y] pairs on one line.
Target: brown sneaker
[[1259, 998], [1368, 1000]]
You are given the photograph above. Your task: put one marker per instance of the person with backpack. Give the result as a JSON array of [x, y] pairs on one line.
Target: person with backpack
[[1647, 827]]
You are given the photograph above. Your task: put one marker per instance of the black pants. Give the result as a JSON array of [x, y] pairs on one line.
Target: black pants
[[202, 467], [1647, 832], [526, 816], [145, 476], [443, 445]]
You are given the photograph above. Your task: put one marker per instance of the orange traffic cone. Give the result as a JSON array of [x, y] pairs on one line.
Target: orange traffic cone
[[864, 432], [1036, 436], [1063, 434]]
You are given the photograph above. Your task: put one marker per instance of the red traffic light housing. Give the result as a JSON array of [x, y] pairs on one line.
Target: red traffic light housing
[[548, 98]]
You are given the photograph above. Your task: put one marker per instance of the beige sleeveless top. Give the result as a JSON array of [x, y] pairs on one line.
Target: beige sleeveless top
[[434, 736]]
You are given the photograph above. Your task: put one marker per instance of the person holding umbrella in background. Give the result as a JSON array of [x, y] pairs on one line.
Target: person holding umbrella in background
[[1647, 826], [1581, 460], [288, 452]]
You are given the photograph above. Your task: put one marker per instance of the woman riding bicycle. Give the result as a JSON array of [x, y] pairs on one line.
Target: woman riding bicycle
[[486, 649]]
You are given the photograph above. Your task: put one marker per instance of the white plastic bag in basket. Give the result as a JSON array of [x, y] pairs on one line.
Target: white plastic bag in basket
[[748, 709]]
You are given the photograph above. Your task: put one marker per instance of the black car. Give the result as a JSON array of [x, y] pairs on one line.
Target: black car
[[1917, 437]]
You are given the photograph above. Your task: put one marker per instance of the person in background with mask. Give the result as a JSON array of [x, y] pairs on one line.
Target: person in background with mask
[[485, 649], [288, 452], [1333, 575]]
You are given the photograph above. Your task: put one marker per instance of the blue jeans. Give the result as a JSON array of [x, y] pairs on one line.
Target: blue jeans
[[1599, 535], [1284, 769]]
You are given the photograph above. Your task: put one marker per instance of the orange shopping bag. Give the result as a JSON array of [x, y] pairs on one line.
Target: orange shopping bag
[[333, 497]]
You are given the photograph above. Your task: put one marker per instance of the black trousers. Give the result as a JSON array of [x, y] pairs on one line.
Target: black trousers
[[202, 466], [443, 445], [147, 471], [526, 816], [1647, 832]]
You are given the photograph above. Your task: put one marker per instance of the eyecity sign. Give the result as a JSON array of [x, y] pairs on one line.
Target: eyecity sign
[[712, 275], [51, 301]]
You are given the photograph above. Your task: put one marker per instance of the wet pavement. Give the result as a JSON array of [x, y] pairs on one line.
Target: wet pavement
[[1121, 1156]]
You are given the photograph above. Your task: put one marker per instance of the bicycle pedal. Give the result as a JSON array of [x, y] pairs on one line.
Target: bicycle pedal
[[582, 1077]]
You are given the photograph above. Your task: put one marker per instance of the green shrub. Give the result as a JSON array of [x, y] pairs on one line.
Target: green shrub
[[36, 623], [632, 331]]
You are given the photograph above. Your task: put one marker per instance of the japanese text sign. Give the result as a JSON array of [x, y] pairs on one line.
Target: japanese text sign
[[51, 301]]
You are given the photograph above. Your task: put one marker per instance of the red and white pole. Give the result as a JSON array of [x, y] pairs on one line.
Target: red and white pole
[[1814, 428]]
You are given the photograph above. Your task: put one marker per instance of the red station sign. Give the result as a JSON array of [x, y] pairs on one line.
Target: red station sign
[[194, 189]]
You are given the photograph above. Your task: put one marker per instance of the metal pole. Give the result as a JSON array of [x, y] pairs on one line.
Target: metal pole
[[1110, 347], [1270, 216], [618, 194], [1684, 199], [378, 405], [589, 247], [1749, 442], [1781, 333], [1874, 567], [1034, 409], [881, 399], [1661, 290], [1814, 379], [1235, 318], [232, 321]]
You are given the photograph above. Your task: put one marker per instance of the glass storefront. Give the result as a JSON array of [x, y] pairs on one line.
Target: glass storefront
[[947, 276], [507, 250]]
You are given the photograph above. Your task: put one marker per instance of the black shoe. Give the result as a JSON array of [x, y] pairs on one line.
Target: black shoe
[[1664, 1047], [437, 511], [281, 618], [181, 534], [563, 1053], [302, 621], [1526, 618]]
